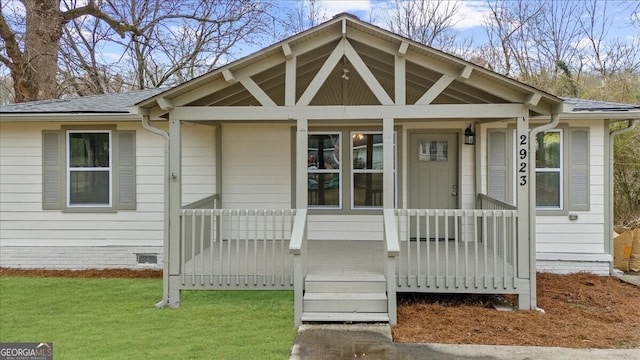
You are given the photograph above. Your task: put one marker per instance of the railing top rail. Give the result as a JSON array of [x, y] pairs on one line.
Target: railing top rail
[[208, 202], [507, 206], [298, 234], [391, 233]]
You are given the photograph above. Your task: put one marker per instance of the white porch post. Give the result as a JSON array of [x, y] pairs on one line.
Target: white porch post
[[302, 184], [301, 164], [523, 182], [389, 216], [387, 172], [175, 203]]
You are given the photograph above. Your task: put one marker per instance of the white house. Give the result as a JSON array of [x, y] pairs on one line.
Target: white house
[[347, 163]]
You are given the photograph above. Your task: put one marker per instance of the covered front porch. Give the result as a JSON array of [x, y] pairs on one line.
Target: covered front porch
[[333, 164], [475, 251]]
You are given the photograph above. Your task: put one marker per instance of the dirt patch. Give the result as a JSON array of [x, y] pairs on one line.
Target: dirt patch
[[580, 311]]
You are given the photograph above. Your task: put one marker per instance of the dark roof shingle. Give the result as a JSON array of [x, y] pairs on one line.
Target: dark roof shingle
[[107, 103]]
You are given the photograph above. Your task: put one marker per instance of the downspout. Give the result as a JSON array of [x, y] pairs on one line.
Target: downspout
[[610, 215], [165, 246], [555, 119]]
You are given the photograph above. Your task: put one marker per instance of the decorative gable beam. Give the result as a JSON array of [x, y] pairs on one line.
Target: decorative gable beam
[[322, 75], [465, 74], [441, 84], [366, 75], [228, 76], [290, 73], [250, 86], [256, 91], [436, 89], [402, 51], [400, 80], [165, 104], [286, 51], [533, 99]]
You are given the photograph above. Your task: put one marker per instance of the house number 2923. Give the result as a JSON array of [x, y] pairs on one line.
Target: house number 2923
[[522, 165]]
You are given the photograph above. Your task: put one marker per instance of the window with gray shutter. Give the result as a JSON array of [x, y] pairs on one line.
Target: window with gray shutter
[[126, 171], [55, 187], [578, 168], [52, 168], [497, 164]]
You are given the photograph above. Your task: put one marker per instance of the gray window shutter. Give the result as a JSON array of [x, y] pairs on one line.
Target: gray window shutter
[[52, 170], [579, 169], [126, 170], [497, 164]]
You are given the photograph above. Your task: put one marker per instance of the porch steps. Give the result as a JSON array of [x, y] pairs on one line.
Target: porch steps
[[345, 297]]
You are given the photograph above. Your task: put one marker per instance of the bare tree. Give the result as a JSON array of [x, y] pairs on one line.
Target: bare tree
[[31, 43], [508, 31], [430, 22], [164, 41], [303, 15]]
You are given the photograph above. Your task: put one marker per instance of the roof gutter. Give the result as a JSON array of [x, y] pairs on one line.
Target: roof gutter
[[165, 245], [609, 216]]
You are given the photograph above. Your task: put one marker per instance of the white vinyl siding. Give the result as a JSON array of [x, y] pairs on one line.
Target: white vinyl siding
[[256, 166], [585, 235], [24, 223]]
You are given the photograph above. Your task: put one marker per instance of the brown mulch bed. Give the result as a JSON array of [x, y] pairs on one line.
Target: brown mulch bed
[[580, 311], [89, 273]]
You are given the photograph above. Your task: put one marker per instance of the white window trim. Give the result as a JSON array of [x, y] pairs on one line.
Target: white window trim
[[68, 169], [370, 171], [559, 170]]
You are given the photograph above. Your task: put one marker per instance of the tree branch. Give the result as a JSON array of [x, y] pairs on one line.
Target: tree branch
[[9, 37]]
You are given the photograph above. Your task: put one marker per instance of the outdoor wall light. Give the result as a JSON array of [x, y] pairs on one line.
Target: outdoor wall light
[[469, 136]]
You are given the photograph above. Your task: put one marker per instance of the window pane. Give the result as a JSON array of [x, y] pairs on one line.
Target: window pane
[[89, 150], [367, 189], [324, 151], [89, 188], [548, 150], [367, 151], [324, 189], [433, 151], [548, 189]]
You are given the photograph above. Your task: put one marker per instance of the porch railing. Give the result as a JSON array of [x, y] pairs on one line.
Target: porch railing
[[486, 202], [232, 248], [457, 250], [298, 248]]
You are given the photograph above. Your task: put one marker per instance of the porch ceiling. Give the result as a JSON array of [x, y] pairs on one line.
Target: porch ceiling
[[348, 62]]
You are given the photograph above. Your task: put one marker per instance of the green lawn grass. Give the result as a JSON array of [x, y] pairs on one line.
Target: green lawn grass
[[116, 319]]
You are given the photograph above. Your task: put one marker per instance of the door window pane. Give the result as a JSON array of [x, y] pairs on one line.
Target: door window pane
[[433, 151]]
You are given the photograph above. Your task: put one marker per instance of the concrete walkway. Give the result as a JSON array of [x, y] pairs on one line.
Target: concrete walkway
[[336, 342]]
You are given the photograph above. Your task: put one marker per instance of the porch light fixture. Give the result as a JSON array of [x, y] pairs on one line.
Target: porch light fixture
[[469, 136]]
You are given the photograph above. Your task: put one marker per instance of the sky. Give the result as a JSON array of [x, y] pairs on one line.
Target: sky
[[470, 17]]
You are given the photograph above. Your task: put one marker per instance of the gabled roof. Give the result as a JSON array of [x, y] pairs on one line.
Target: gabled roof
[[456, 81], [103, 104]]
